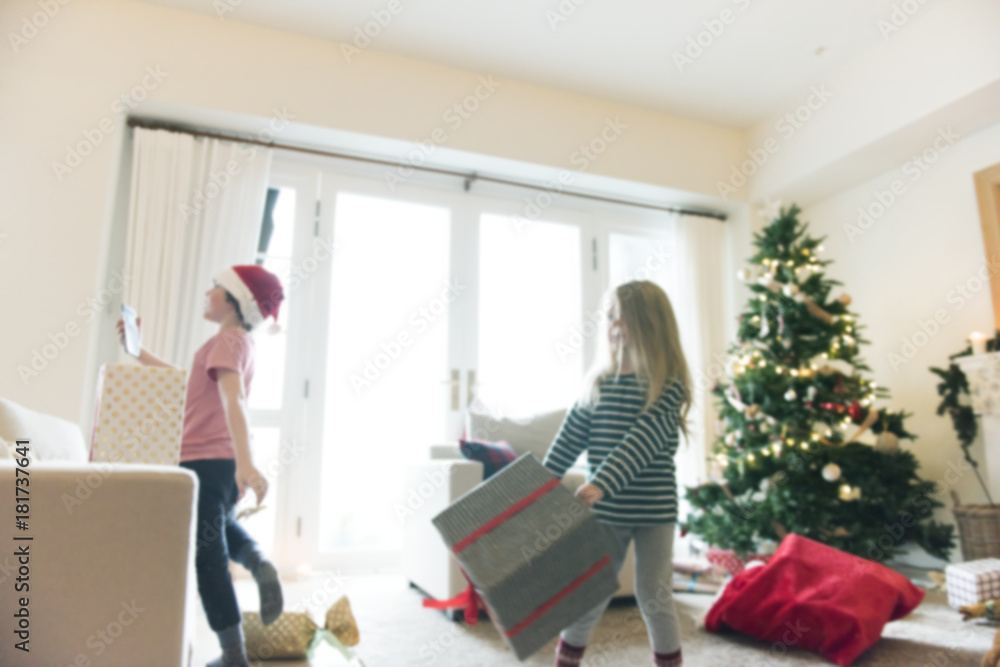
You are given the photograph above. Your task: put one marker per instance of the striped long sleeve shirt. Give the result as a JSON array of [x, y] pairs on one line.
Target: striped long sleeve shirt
[[630, 455]]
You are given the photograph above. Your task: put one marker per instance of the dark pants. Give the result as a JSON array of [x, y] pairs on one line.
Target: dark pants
[[219, 538]]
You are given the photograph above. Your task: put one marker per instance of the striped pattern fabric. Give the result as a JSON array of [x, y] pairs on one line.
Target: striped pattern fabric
[[537, 555], [630, 453]]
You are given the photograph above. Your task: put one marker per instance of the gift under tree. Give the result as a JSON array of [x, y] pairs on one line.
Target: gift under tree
[[793, 409]]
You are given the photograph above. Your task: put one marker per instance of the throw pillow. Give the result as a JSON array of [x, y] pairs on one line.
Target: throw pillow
[[493, 455], [528, 435]]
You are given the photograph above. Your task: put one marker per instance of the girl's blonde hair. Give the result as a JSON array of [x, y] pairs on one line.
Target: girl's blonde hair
[[653, 346]]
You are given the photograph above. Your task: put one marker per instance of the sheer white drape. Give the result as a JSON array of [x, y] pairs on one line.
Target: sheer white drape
[[195, 207], [698, 305]]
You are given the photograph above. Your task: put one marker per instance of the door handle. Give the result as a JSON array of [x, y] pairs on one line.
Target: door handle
[[473, 385], [455, 383]]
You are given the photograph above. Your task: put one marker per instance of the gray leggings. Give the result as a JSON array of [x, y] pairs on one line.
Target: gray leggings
[[653, 586]]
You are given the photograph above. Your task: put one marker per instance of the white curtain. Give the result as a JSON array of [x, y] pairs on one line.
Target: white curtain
[[195, 208], [698, 302]]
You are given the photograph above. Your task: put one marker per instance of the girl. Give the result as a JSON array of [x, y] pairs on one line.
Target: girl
[[635, 401], [215, 446]]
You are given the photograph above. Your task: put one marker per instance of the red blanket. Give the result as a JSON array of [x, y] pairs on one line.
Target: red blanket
[[815, 597]]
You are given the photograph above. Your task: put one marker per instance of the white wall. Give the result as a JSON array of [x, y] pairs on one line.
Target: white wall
[[941, 67], [64, 80], [902, 270]]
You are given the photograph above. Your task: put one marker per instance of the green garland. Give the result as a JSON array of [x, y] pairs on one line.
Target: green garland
[[954, 384]]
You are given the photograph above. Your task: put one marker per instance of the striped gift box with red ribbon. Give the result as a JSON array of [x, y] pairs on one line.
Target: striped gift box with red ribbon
[[537, 556]]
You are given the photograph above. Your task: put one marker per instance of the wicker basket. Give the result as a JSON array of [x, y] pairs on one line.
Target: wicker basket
[[978, 529]]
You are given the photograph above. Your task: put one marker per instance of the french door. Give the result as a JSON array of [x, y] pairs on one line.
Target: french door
[[404, 306]]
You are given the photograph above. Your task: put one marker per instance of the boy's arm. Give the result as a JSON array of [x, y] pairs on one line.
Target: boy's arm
[[147, 358], [571, 439], [231, 392], [653, 432]]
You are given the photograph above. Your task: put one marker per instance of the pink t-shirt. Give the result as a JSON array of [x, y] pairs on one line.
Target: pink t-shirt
[[206, 433]]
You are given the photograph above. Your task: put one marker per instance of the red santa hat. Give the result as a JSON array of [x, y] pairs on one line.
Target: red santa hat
[[257, 290]]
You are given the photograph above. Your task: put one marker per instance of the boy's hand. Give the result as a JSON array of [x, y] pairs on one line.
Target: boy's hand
[[248, 475], [589, 493], [120, 326]]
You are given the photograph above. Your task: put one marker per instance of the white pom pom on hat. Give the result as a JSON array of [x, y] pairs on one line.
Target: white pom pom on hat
[[257, 290]]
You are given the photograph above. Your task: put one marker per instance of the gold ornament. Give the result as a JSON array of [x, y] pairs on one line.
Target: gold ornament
[[848, 493], [887, 443], [844, 299]]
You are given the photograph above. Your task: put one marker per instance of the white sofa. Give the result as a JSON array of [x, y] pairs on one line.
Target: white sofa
[[111, 562], [433, 485]]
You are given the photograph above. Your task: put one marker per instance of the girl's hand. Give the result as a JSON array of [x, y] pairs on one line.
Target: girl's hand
[[248, 475], [589, 493]]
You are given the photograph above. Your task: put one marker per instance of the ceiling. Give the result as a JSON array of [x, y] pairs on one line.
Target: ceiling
[[764, 58]]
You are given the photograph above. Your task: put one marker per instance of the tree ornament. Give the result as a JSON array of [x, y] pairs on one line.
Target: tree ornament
[[869, 421], [790, 290], [803, 273], [887, 442], [790, 395], [731, 438], [831, 472], [847, 493], [823, 429], [811, 393], [745, 275], [844, 299], [753, 411]]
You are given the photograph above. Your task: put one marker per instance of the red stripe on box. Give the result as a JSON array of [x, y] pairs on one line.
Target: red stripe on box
[[558, 596], [506, 514]]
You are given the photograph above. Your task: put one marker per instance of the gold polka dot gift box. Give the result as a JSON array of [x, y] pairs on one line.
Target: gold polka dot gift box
[[139, 414]]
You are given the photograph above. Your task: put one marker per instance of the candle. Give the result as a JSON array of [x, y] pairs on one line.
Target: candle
[[978, 341]]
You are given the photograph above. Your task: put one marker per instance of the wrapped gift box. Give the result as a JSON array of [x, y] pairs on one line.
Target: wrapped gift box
[[973, 582], [139, 415], [537, 555], [727, 560]]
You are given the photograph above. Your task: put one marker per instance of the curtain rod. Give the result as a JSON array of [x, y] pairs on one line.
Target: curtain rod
[[468, 177]]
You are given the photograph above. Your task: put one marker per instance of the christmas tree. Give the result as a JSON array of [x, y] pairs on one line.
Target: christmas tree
[[792, 408]]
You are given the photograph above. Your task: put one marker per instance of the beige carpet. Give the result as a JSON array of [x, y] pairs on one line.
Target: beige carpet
[[397, 632]]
